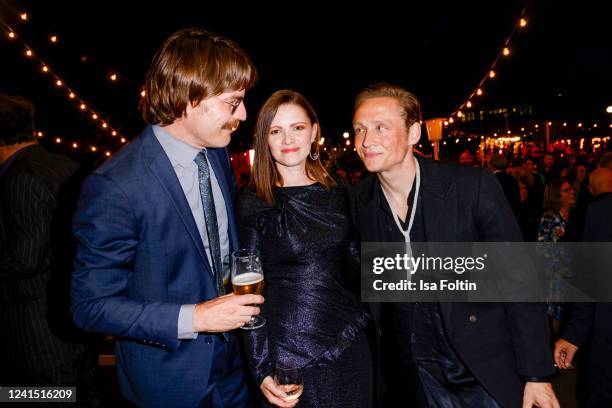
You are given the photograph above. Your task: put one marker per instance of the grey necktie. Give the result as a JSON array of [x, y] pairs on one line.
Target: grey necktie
[[210, 215]]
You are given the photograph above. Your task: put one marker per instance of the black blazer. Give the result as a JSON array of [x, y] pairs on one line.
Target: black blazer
[[39, 343], [503, 344], [590, 323]]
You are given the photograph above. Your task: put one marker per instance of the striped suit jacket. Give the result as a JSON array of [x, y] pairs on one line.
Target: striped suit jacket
[[39, 344]]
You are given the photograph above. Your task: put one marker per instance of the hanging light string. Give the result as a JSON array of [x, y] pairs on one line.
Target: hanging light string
[[112, 74], [75, 145], [71, 94], [491, 72]]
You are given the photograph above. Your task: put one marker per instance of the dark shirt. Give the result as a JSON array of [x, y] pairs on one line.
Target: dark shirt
[[428, 356]]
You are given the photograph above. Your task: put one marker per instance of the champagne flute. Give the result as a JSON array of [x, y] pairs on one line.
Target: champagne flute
[[288, 376], [247, 278]]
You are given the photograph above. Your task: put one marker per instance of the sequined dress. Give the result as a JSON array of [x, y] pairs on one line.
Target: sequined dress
[[314, 317]]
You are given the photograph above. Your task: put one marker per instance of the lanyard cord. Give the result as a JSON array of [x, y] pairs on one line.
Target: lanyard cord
[[406, 233]]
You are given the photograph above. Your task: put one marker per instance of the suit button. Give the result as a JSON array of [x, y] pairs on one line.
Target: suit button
[[208, 340], [472, 318]]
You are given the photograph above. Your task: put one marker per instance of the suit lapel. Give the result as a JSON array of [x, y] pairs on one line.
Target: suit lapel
[[162, 169]]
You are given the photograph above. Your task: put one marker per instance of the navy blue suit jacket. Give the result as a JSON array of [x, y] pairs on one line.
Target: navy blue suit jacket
[[139, 258]]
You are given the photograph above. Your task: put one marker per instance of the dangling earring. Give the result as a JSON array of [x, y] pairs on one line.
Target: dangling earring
[[314, 156]]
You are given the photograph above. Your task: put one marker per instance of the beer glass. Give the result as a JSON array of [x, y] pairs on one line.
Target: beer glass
[[247, 277]]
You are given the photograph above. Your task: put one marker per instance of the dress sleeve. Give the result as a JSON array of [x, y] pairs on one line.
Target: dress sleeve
[[248, 212]]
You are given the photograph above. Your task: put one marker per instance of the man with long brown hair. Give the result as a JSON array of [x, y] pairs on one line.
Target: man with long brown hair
[[154, 224]]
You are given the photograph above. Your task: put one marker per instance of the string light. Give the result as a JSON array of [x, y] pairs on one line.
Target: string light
[[142, 93], [24, 16], [94, 148], [491, 73], [58, 140], [40, 134], [107, 154], [113, 77], [57, 80], [74, 145]]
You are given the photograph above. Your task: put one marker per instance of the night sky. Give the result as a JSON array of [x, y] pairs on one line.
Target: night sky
[[561, 64]]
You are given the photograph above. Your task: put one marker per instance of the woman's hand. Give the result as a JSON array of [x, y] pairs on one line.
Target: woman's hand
[[275, 394]]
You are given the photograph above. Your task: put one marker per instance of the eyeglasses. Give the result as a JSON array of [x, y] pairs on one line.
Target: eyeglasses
[[234, 103]]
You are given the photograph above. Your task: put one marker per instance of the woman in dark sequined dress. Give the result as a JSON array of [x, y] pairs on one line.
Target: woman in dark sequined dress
[[297, 216]]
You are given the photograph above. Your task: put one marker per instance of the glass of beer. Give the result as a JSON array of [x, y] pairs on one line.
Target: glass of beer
[[247, 277]]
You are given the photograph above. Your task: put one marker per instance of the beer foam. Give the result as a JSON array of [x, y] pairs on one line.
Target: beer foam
[[249, 278]]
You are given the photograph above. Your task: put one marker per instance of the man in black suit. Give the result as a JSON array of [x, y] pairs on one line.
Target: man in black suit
[[591, 322], [444, 354], [39, 344], [497, 165]]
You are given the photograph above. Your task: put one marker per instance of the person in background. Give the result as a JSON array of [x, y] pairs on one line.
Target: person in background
[[559, 199], [606, 160], [497, 165], [39, 344], [549, 168], [590, 323], [466, 158]]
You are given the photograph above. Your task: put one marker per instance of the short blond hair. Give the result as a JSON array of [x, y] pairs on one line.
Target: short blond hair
[[409, 103]]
